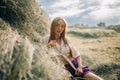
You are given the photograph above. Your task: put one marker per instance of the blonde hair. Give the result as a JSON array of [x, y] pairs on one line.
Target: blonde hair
[[53, 25], [63, 34]]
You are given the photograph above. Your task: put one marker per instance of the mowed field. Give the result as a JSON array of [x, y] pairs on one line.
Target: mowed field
[[100, 50]]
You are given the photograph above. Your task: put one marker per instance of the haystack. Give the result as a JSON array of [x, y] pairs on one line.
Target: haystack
[[22, 24]]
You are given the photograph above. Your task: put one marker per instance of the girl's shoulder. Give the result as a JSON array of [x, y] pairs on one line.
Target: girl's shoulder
[[68, 39]]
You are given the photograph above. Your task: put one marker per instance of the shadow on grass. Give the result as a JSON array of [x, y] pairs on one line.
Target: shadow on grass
[[106, 68]]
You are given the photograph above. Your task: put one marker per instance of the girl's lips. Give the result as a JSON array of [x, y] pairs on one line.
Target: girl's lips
[[58, 31]]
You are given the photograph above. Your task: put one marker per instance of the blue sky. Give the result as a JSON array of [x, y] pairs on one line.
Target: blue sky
[[89, 12]]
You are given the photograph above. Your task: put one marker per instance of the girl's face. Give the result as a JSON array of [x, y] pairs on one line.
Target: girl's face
[[59, 28]]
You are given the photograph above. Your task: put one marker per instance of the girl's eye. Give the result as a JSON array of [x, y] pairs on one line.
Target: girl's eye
[[62, 26]]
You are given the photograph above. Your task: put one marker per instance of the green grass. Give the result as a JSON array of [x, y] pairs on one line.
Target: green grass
[[106, 68], [93, 33], [115, 27], [99, 50]]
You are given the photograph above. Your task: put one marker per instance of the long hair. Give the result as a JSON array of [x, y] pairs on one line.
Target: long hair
[[52, 30], [63, 34]]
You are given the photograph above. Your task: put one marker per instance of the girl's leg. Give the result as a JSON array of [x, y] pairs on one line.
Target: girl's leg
[[92, 76]]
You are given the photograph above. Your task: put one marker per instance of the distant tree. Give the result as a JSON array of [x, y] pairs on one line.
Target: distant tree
[[101, 24]]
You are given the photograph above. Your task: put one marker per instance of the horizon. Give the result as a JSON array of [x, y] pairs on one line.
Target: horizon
[[90, 12]]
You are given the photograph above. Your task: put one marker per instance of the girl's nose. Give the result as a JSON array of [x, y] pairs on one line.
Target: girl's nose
[[60, 27]]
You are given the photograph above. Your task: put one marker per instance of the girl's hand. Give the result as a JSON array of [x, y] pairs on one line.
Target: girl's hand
[[51, 43], [79, 71]]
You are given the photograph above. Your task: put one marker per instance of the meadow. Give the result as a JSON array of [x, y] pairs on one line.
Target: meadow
[[100, 50]]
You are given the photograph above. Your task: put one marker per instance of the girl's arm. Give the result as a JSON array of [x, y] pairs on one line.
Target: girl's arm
[[79, 68], [79, 60]]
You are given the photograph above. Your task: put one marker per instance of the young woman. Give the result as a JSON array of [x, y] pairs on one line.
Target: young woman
[[62, 46]]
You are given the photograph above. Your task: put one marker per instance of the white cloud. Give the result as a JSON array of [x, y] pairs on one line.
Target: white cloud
[[108, 2], [102, 10], [97, 10], [66, 8], [102, 2], [68, 12], [65, 3], [104, 13]]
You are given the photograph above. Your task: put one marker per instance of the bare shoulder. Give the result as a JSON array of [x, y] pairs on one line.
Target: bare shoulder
[[68, 39]]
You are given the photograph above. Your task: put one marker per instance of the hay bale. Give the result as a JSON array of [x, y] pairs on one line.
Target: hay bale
[[26, 16], [21, 27]]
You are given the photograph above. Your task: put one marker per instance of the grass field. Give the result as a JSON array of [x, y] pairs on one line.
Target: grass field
[[102, 53]]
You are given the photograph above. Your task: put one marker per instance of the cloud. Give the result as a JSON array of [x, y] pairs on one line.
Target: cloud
[[102, 10], [65, 8], [104, 13], [102, 2], [68, 12], [108, 2], [65, 3], [85, 10]]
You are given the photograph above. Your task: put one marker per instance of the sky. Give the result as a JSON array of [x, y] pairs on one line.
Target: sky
[[89, 12]]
